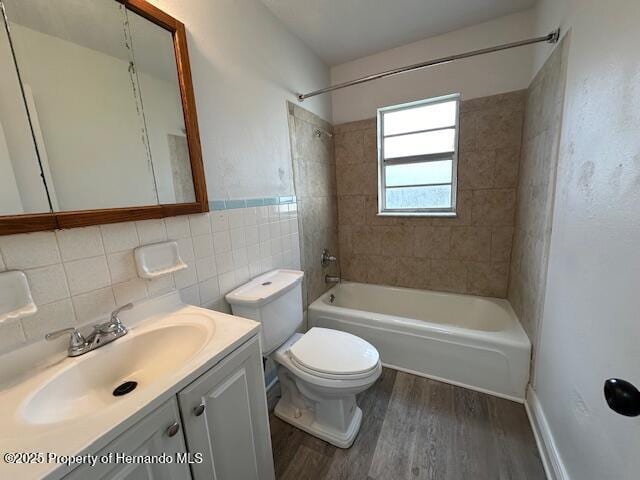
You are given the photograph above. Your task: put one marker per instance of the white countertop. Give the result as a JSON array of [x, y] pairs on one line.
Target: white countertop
[[88, 433]]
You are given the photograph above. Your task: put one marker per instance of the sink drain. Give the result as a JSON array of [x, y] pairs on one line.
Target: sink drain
[[126, 387]]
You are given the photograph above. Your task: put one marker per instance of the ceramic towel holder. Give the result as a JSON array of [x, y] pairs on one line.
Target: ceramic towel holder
[[15, 296], [158, 259]]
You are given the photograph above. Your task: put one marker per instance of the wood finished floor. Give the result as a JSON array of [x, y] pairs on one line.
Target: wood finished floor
[[416, 428]]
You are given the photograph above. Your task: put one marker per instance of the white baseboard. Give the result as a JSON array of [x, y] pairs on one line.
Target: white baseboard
[[551, 460]]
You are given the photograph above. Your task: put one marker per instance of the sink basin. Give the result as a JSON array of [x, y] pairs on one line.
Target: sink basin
[[87, 384]]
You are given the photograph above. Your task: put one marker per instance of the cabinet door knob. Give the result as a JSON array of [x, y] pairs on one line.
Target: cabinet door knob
[[173, 429], [199, 410]]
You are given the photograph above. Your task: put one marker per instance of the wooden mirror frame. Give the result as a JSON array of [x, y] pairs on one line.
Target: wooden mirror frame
[[23, 223]]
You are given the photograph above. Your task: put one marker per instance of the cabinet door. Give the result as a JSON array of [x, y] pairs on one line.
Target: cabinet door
[[232, 430], [148, 437]]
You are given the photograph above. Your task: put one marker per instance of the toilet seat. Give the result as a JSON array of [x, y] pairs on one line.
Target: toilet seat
[[333, 354]]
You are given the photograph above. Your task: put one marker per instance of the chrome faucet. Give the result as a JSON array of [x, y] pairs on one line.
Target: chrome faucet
[[101, 335]]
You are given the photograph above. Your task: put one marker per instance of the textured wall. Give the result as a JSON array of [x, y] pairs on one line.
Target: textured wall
[[467, 254], [314, 173], [538, 166]]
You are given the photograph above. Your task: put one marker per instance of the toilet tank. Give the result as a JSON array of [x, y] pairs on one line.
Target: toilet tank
[[275, 300]]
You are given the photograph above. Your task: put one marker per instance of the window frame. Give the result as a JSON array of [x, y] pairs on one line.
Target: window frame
[[453, 156]]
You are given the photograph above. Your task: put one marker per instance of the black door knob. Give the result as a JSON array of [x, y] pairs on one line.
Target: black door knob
[[622, 397]]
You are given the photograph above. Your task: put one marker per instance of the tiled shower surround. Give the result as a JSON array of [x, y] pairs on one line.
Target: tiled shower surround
[[314, 173], [78, 276], [467, 254], [536, 188]]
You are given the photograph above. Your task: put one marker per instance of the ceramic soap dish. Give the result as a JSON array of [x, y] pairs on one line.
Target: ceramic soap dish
[[15, 296], [158, 259]]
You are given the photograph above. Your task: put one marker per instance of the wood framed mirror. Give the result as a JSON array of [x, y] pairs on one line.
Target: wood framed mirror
[[100, 122]]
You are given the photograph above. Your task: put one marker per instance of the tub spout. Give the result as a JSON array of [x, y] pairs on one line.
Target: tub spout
[[331, 279]]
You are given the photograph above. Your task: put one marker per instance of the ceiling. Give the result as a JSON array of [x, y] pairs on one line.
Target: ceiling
[[343, 30]]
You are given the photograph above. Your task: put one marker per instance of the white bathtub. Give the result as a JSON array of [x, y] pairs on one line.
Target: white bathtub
[[474, 342]]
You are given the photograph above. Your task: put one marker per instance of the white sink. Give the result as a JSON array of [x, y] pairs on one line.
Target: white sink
[[87, 385], [69, 407]]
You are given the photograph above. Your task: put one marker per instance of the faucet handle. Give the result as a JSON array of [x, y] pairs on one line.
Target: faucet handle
[[116, 312], [76, 340]]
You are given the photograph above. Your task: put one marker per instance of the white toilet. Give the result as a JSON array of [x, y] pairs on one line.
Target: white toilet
[[321, 371]]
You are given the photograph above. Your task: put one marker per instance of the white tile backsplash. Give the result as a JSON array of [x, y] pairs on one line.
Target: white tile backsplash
[[87, 274], [133, 290], [79, 243], [236, 218], [190, 295], [151, 231], [209, 291], [177, 227], [12, 335], [251, 235], [119, 236], [238, 238], [240, 258], [30, 250], [224, 262], [50, 317], [80, 275], [200, 224], [203, 246], [160, 286], [48, 284], [122, 266], [222, 242], [227, 282], [94, 306], [262, 214], [250, 216], [205, 268], [219, 221], [187, 277], [185, 248]]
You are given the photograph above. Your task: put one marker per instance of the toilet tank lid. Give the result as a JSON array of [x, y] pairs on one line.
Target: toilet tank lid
[[265, 288]]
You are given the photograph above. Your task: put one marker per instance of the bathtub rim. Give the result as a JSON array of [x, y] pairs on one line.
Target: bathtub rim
[[513, 336]]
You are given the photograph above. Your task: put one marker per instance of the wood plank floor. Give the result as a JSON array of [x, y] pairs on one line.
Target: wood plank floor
[[416, 428]]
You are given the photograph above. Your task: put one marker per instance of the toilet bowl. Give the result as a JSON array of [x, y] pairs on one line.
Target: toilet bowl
[[320, 372], [321, 398]]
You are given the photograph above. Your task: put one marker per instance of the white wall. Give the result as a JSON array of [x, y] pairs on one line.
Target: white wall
[[245, 67], [474, 77], [591, 321]]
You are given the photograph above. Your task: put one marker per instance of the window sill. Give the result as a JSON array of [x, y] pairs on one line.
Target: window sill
[[418, 214]]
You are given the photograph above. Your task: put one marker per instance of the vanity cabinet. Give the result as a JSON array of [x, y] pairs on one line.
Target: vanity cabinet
[[223, 417], [226, 419], [155, 435]]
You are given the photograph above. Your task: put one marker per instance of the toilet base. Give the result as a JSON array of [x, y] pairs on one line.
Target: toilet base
[[305, 421]]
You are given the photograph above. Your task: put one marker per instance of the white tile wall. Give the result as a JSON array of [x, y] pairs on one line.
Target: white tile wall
[[78, 276]]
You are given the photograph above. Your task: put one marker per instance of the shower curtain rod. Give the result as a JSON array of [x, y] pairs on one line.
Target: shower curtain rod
[[553, 37]]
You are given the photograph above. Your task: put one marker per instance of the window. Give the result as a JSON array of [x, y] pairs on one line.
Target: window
[[417, 156]]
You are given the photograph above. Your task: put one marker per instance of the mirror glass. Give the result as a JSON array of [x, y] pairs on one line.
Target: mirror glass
[[157, 76], [21, 187], [103, 99]]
